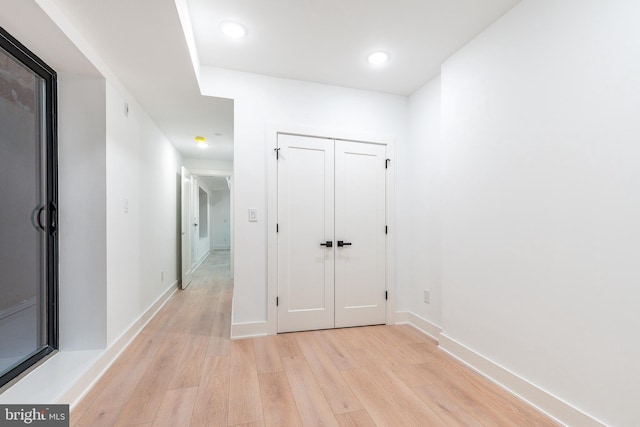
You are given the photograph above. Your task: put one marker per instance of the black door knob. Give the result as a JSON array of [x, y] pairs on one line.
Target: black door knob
[[328, 244], [341, 243]]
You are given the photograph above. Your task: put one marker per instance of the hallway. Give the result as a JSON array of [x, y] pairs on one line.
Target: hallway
[[183, 370], [162, 367]]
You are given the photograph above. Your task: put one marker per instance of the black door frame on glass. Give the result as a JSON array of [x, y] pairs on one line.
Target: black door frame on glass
[[50, 209]]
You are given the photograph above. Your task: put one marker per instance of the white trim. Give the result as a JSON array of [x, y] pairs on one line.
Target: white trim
[[220, 248], [6, 314], [201, 260], [249, 330], [423, 325], [80, 387], [271, 139], [535, 396]]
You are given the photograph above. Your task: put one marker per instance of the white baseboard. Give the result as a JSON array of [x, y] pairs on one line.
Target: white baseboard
[[248, 330], [200, 260], [540, 399], [220, 248], [423, 325], [83, 384]]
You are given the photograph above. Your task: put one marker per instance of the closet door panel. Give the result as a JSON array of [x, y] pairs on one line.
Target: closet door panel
[[305, 223], [360, 224]]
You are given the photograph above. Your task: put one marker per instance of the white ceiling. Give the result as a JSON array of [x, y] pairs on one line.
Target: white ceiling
[[143, 43], [214, 183], [322, 41], [327, 41]]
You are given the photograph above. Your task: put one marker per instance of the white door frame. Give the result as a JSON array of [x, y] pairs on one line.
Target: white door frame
[[271, 139]]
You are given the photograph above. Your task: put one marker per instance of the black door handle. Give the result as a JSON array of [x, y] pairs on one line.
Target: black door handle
[[39, 218], [53, 218], [328, 244], [341, 243]]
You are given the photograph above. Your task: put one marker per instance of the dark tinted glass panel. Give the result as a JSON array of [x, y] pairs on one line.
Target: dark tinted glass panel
[[25, 215]]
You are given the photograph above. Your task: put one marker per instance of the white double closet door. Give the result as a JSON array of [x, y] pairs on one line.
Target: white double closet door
[[331, 233]]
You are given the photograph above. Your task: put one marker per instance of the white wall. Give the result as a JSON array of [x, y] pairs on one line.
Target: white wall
[[418, 253], [142, 167], [82, 201], [541, 201], [259, 102], [110, 261], [220, 225]]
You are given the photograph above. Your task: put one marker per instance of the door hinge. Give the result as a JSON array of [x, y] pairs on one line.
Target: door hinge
[[386, 163], [386, 229], [277, 150], [386, 295], [277, 301], [277, 228]]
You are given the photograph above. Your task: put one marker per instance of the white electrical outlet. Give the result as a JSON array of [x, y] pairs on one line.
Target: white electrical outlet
[[427, 296]]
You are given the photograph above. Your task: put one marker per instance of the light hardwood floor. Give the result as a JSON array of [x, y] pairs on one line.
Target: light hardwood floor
[[183, 370]]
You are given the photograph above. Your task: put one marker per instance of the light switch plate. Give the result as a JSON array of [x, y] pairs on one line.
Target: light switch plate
[[253, 215]]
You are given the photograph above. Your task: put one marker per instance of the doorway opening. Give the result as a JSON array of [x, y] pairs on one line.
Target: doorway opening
[[207, 219]]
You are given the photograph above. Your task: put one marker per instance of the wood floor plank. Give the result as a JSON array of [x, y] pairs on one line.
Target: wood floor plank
[[142, 406], [397, 393], [447, 408], [310, 401], [103, 382], [277, 400], [267, 356], [212, 403], [176, 408], [189, 365], [374, 399], [74, 417], [184, 370], [355, 419], [287, 345], [144, 346], [336, 351], [389, 349], [205, 316], [245, 405], [335, 388], [106, 408], [414, 375]]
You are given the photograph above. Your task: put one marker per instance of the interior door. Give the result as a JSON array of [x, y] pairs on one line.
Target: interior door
[[186, 243], [305, 233], [360, 282]]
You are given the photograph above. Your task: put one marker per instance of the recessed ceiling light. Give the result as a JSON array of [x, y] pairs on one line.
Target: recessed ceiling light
[[201, 141], [233, 30], [377, 58]]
